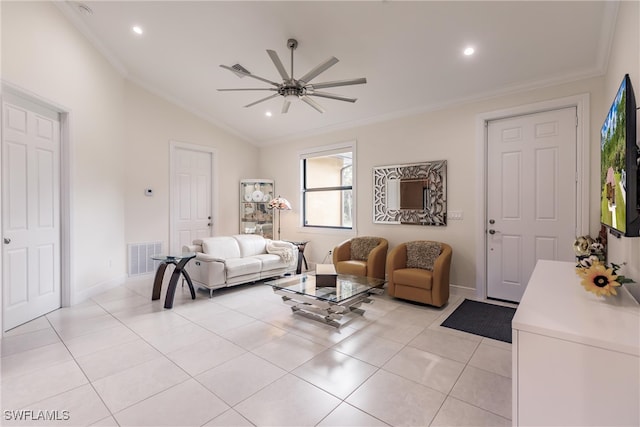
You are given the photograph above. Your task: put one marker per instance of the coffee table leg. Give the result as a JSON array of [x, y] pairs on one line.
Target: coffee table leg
[[157, 282]]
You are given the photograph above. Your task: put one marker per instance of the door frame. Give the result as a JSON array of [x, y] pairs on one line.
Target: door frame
[[67, 285], [581, 103], [173, 146]]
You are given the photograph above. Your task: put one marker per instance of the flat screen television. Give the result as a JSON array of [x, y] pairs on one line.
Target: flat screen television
[[619, 187]]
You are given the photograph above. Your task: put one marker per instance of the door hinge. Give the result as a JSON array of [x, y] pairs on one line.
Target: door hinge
[[576, 121]]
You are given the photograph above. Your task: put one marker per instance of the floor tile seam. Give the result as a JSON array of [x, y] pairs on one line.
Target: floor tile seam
[[288, 371], [495, 345], [463, 400], [86, 332], [439, 355], [477, 407], [3, 336], [249, 396], [29, 349], [75, 361], [48, 367], [488, 371], [31, 371], [480, 368], [72, 316], [113, 414], [338, 397], [424, 385], [344, 402], [34, 404], [162, 354]]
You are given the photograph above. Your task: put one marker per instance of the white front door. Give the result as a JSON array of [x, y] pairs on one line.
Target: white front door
[[30, 211], [531, 197], [191, 196]]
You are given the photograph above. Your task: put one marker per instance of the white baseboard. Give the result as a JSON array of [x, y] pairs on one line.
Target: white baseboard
[[96, 289]]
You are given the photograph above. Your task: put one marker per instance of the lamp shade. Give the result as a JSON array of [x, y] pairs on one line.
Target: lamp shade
[[280, 203]]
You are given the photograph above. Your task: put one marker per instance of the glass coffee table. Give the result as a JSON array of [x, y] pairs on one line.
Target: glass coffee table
[[331, 305]]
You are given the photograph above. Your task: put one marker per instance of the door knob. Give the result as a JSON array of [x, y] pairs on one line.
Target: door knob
[[209, 225], [492, 231], [492, 221], [7, 240]]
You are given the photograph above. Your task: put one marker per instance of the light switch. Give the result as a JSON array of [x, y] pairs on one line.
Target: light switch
[[454, 215]]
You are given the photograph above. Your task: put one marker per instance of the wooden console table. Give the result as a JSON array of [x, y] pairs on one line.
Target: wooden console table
[[576, 356]]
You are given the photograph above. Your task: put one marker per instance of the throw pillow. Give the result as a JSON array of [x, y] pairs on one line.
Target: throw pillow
[[422, 254], [361, 246]]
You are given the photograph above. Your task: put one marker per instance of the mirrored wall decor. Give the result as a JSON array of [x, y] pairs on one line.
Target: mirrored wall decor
[[414, 193]]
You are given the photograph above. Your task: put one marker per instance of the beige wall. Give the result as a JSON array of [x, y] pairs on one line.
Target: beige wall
[[43, 54], [119, 136], [448, 134], [624, 59], [151, 123]]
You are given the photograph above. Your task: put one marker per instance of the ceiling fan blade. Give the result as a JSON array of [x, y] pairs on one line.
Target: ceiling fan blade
[[276, 61], [253, 88], [336, 83], [285, 106], [312, 103], [261, 100], [332, 96], [249, 75], [319, 69]]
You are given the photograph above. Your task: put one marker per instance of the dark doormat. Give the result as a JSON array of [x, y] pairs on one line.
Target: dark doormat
[[480, 318]]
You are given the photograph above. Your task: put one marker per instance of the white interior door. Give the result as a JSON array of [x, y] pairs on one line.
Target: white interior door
[[30, 212], [191, 198], [531, 197]]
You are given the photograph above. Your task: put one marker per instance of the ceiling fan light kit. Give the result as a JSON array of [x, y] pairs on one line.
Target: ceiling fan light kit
[[292, 89]]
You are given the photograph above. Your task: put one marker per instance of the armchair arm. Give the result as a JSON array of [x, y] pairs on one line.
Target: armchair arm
[[396, 260], [377, 259], [208, 258], [440, 285], [342, 252]]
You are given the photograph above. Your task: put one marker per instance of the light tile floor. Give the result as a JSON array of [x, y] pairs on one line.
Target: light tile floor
[[242, 358]]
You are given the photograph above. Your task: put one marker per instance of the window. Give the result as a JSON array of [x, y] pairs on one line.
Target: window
[[327, 188]]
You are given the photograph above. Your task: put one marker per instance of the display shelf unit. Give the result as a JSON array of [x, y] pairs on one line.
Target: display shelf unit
[[255, 215]]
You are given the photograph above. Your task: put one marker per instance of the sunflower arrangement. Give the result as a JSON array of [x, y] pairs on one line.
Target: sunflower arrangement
[[601, 279]]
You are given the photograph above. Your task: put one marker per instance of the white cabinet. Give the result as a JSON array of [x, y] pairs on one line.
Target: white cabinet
[[576, 357], [255, 215]]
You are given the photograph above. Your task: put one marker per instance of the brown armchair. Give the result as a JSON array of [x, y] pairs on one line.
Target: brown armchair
[[418, 273], [361, 256]]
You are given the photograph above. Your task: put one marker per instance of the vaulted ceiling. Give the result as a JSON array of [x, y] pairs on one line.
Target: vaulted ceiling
[[410, 52]]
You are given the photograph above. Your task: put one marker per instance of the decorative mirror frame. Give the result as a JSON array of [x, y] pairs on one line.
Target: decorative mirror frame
[[435, 212]]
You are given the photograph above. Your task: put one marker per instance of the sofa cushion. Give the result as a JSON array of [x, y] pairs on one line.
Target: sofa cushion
[[271, 262], [415, 277], [354, 268], [222, 247], [250, 244], [242, 266], [361, 246], [422, 254]]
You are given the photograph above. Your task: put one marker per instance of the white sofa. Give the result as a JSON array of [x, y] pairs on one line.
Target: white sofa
[[231, 260]]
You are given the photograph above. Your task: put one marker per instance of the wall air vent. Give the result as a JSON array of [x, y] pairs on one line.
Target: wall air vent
[[139, 257]]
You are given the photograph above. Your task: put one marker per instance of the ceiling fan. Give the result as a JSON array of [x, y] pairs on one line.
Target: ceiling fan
[[291, 88]]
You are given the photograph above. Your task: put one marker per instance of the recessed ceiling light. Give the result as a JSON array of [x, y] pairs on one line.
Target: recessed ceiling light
[[268, 114], [469, 51], [136, 29]]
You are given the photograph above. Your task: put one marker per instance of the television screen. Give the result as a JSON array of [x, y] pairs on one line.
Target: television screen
[[618, 164]]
